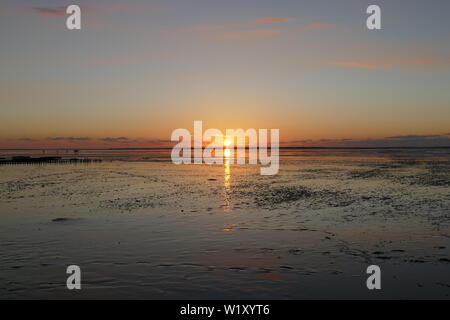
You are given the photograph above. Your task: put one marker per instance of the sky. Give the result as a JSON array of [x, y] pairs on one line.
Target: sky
[[137, 70]]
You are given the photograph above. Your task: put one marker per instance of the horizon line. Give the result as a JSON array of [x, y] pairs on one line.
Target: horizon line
[[168, 148]]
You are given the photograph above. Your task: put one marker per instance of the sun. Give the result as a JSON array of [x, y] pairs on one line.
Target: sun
[[227, 143]]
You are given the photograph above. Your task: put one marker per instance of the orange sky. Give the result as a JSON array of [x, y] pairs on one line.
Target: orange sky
[[140, 69]]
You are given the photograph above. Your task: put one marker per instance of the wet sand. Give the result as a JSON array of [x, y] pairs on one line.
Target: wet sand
[[145, 228]]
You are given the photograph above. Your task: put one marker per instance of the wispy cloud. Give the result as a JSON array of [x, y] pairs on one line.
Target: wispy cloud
[[356, 64], [407, 62], [272, 20], [412, 140], [136, 142], [55, 12], [70, 139], [118, 139], [428, 61], [230, 26], [248, 30], [418, 137]]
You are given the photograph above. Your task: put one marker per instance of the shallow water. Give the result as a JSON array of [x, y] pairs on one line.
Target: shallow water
[[141, 227]]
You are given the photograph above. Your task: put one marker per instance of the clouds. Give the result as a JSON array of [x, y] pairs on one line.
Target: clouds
[[69, 142], [397, 63], [119, 139], [417, 137], [399, 141], [53, 12], [70, 139], [97, 8], [272, 20], [256, 29], [135, 142], [355, 64], [412, 140]]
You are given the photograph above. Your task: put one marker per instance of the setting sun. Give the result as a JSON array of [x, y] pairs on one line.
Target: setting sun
[[227, 142], [225, 151]]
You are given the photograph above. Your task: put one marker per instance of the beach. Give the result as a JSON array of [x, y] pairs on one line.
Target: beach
[[141, 227]]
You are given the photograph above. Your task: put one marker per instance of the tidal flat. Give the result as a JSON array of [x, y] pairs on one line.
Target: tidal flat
[[141, 227]]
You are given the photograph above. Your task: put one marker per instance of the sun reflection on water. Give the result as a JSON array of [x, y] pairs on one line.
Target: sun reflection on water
[[227, 181]]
